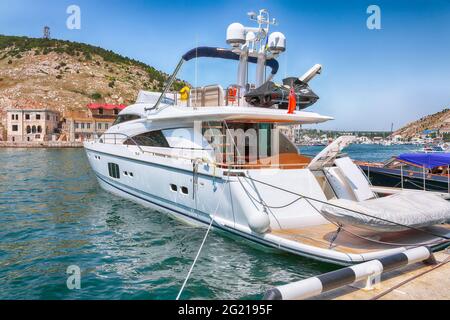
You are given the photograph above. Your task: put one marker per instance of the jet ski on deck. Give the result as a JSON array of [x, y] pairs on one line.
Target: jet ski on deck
[[271, 94]]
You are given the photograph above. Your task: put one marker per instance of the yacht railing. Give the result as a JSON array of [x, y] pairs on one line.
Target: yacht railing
[[246, 166], [104, 139], [122, 138]]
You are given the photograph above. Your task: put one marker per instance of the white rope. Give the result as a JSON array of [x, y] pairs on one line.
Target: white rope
[[199, 250], [195, 260]]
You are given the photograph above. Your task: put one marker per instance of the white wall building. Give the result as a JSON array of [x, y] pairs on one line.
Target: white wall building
[[31, 125]]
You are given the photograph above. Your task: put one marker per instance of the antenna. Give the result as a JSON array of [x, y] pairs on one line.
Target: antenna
[[255, 43], [46, 32]]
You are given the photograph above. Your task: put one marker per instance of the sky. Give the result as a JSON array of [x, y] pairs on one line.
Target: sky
[[371, 78]]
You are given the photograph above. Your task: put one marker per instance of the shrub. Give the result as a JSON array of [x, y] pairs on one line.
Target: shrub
[[59, 77], [96, 96], [9, 61], [13, 46]]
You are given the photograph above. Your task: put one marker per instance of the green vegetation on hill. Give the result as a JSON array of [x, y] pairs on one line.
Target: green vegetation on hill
[[438, 121], [12, 47]]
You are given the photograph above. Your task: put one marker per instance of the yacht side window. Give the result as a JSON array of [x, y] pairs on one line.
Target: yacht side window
[[125, 118], [114, 170], [149, 139]]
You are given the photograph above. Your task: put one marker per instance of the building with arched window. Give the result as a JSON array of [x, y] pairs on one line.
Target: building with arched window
[[28, 125], [91, 122]]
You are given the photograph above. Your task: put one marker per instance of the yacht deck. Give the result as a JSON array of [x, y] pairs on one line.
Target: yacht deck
[[322, 236]]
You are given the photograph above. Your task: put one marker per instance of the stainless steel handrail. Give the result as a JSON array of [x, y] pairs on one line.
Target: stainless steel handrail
[[102, 138], [127, 137]]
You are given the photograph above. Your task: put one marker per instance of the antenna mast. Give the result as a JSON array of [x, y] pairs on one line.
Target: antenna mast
[[255, 42], [46, 32]]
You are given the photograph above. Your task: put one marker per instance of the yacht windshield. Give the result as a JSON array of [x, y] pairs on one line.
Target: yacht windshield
[[212, 82]]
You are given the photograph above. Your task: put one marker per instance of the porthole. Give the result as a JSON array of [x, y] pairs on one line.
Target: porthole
[[184, 190], [131, 174], [174, 188]]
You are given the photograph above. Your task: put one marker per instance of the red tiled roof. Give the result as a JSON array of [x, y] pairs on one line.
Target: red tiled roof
[[106, 106]]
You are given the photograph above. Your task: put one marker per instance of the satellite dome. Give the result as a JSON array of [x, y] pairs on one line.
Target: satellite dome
[[277, 42], [236, 34]]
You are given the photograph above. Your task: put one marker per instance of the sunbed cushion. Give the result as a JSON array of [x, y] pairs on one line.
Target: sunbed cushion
[[414, 209]]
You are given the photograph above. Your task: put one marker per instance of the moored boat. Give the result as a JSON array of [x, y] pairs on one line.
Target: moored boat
[[419, 171], [217, 158]]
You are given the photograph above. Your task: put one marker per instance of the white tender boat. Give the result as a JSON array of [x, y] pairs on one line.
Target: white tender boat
[[216, 158]]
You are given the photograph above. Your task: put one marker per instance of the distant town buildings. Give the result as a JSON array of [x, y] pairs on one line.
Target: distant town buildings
[[26, 125], [29, 125], [90, 123]]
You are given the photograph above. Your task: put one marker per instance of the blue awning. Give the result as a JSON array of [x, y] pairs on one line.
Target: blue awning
[[427, 160], [211, 52]]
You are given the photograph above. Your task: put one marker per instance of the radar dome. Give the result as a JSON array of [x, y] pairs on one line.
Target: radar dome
[[277, 42], [236, 34]]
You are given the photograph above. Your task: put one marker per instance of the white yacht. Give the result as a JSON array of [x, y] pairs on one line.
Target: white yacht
[[215, 155]]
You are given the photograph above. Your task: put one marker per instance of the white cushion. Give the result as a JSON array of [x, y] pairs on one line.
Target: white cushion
[[415, 209]]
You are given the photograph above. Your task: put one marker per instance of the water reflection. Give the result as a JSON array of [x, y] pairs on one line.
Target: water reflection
[[53, 214]]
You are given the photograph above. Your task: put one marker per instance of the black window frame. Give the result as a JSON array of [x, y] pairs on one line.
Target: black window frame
[[125, 118], [114, 170], [155, 139], [185, 190]]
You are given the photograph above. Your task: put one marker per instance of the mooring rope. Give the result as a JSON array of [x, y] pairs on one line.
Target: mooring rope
[[199, 250], [308, 199], [195, 260], [348, 209]]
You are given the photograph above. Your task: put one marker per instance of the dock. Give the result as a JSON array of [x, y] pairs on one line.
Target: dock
[[415, 282], [414, 274], [43, 144]]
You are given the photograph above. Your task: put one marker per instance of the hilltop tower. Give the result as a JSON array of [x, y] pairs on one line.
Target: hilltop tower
[[46, 32]]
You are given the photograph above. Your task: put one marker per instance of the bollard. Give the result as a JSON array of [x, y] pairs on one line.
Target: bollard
[[329, 281]]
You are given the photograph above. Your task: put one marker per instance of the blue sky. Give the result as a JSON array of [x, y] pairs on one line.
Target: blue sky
[[371, 78]]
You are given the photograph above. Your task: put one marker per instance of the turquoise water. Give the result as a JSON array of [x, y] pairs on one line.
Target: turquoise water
[[367, 152], [53, 215]]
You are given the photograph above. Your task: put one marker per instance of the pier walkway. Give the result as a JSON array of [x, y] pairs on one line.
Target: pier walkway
[[415, 282]]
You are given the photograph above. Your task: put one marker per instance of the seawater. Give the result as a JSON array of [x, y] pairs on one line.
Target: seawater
[[54, 215]]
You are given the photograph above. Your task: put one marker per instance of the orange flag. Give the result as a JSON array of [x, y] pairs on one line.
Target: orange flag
[[292, 102]]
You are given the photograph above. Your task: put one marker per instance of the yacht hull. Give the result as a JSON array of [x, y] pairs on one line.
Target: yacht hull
[[143, 195]]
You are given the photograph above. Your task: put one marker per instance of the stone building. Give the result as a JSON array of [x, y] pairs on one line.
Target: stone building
[[3, 136], [27, 125], [90, 123]]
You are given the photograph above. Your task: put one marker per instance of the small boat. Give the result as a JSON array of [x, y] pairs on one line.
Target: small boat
[[217, 158], [420, 171], [433, 148]]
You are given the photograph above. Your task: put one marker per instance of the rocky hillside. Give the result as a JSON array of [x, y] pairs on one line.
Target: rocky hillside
[[435, 121], [64, 76]]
